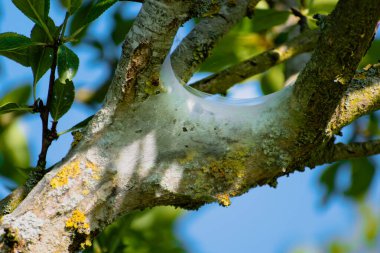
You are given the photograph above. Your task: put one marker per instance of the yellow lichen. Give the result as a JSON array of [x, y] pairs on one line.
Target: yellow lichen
[[223, 199], [229, 171], [85, 191], [70, 170], [94, 168], [190, 155], [86, 243], [77, 222]]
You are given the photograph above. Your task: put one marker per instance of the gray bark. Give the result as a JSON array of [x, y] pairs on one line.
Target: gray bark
[[158, 143]]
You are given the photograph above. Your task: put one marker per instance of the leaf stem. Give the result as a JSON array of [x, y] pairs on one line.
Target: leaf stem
[[64, 26]]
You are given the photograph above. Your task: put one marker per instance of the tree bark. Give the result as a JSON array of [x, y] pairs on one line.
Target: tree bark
[[155, 142]]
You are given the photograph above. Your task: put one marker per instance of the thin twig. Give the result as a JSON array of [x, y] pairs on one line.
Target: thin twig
[[48, 135], [223, 80]]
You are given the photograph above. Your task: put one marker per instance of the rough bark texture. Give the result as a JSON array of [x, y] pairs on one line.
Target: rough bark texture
[[155, 142]]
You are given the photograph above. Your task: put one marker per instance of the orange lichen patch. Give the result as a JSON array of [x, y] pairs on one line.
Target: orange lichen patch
[[223, 199], [78, 223], [94, 168], [70, 170]]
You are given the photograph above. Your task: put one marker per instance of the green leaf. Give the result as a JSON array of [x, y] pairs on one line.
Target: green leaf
[[13, 107], [265, 19], [77, 20], [120, 28], [19, 95], [14, 150], [20, 56], [272, 80], [40, 56], [328, 178], [90, 14], [36, 10], [71, 5], [12, 41], [78, 126], [362, 173], [63, 98], [68, 63]]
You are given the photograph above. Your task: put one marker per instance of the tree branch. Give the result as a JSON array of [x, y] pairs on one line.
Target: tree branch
[[345, 37], [342, 151], [361, 97], [223, 80], [197, 45]]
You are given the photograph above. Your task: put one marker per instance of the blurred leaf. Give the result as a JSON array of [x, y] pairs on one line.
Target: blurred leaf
[[372, 56], [371, 224], [120, 28], [12, 41], [68, 63], [328, 178], [36, 10], [90, 15], [362, 172], [63, 98], [373, 125], [238, 45], [13, 107], [322, 6], [149, 231], [78, 126], [77, 20], [19, 95], [71, 5], [15, 153], [272, 80], [265, 19], [40, 56]]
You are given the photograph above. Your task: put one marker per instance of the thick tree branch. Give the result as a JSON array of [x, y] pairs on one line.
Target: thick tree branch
[[175, 148], [223, 80], [196, 47], [345, 37], [361, 97]]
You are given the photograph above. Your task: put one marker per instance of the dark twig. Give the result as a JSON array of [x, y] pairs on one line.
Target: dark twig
[[303, 19], [48, 135]]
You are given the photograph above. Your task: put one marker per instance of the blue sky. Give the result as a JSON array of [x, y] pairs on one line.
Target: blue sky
[[265, 220]]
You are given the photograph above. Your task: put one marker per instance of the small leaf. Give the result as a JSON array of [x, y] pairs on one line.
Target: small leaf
[[63, 98], [91, 14], [13, 107], [71, 5], [12, 41], [78, 126], [36, 10], [68, 63], [40, 56], [362, 173], [328, 178]]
